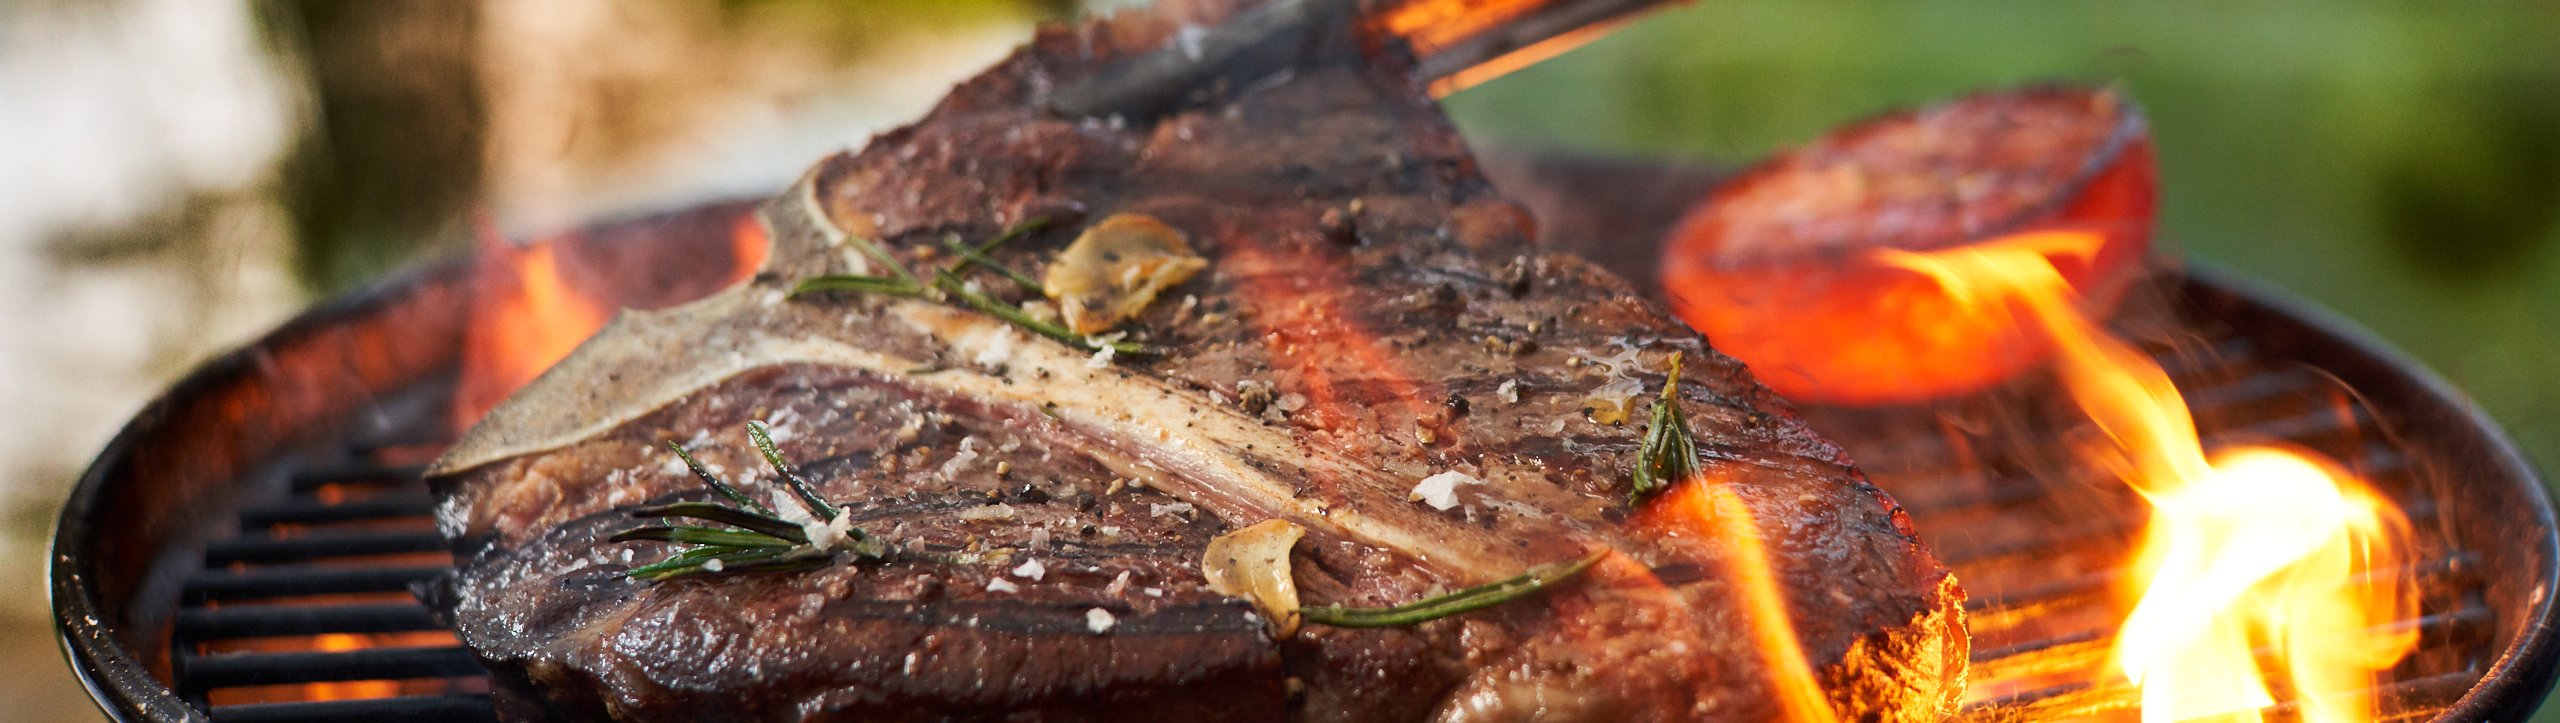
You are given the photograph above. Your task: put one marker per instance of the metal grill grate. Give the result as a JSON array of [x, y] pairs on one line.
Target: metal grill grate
[[333, 554], [308, 612]]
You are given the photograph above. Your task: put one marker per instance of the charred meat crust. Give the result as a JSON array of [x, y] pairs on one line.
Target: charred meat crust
[[910, 640]]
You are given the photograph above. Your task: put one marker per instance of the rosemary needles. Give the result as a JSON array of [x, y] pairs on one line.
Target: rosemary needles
[[1668, 453], [1433, 608], [746, 535], [950, 284]]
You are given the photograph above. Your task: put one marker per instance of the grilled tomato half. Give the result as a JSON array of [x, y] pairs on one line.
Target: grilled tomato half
[[1786, 266]]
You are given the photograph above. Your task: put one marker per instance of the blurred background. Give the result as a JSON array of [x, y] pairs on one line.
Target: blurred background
[[182, 174]]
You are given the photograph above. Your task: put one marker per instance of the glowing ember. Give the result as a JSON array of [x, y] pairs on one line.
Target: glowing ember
[[2253, 547], [351, 690]]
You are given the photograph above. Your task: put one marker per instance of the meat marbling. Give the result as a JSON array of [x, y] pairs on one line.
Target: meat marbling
[[1372, 314]]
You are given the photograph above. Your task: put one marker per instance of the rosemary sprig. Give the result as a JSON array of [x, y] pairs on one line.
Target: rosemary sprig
[[704, 536], [899, 281], [951, 285], [881, 285], [763, 439], [748, 536], [1474, 598], [948, 284], [1668, 453], [733, 517], [703, 560], [881, 255], [714, 480], [978, 257]]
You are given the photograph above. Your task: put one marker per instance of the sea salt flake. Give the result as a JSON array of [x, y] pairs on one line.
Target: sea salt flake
[[995, 345], [1099, 620], [1188, 38], [783, 426], [830, 534], [1176, 508], [997, 511], [1031, 570], [1440, 491], [1002, 585], [960, 460]]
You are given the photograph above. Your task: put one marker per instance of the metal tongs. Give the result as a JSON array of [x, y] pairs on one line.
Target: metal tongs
[[1455, 44]]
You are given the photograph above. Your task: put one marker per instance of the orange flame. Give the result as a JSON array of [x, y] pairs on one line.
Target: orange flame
[[532, 304], [525, 317], [1716, 511], [2250, 544], [1435, 23]]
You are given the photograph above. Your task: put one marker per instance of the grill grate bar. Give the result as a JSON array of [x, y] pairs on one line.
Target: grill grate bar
[[272, 548], [2004, 491], [1999, 610], [263, 583], [233, 670], [2112, 528], [2251, 389], [458, 708], [273, 620], [355, 473], [432, 437], [2087, 650], [306, 511], [2078, 700]]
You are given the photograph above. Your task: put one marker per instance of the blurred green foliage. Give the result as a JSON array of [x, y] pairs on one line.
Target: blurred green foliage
[[2396, 162], [392, 165]]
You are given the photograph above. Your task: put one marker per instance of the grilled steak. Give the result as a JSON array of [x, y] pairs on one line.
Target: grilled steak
[[1371, 314]]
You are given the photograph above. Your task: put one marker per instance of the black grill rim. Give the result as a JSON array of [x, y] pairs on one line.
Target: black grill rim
[[126, 689], [117, 679]]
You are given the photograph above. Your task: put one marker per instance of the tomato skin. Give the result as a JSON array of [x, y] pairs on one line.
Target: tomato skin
[[1820, 319]]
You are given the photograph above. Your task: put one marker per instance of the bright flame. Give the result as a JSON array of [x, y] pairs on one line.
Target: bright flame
[[532, 304], [524, 318], [1714, 510], [1431, 26], [2254, 544]]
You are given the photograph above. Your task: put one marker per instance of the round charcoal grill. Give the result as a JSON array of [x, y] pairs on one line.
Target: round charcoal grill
[[255, 544]]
